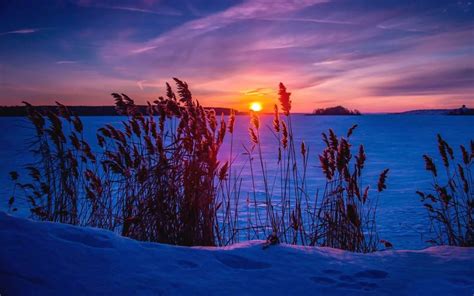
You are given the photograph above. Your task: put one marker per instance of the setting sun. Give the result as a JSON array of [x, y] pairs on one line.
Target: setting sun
[[256, 106]]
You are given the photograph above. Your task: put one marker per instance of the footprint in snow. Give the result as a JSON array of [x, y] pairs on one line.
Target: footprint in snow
[[187, 264], [345, 281], [460, 281], [96, 240], [332, 271], [357, 286], [7, 277], [323, 280], [239, 262], [371, 274], [346, 278]]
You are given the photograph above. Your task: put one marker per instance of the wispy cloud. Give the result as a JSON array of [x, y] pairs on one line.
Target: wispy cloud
[[66, 62], [159, 10], [163, 11], [309, 20], [258, 9], [430, 82], [21, 31], [141, 84], [260, 92]]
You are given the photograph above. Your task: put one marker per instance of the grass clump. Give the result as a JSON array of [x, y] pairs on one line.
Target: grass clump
[[343, 218], [347, 215], [450, 202], [153, 181], [57, 182]]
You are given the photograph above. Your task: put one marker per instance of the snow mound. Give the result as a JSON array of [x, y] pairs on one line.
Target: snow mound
[[43, 258]]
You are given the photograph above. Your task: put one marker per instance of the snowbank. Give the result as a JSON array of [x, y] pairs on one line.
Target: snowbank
[[50, 259]]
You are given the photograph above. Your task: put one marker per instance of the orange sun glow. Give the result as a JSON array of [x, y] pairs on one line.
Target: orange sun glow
[[256, 106]]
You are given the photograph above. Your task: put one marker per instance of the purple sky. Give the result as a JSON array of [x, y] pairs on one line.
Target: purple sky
[[371, 55]]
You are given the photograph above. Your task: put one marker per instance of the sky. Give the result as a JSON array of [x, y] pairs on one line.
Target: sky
[[371, 55]]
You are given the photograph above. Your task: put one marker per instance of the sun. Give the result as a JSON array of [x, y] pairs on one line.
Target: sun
[[256, 106]]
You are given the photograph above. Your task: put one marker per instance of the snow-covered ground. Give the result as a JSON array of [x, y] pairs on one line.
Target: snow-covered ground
[[40, 258]]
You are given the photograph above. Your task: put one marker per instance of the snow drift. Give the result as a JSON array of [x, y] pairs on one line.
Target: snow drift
[[44, 258]]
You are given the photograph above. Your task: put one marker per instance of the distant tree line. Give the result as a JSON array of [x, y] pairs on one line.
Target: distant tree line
[[338, 110], [462, 111], [84, 110]]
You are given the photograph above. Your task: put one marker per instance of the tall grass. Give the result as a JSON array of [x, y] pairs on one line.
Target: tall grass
[[55, 192], [344, 217], [166, 176], [450, 202], [157, 177], [153, 181]]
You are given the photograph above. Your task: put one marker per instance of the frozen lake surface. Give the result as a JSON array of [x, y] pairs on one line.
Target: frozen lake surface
[[391, 141]]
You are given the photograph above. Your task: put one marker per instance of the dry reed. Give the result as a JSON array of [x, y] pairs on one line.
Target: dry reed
[[450, 203]]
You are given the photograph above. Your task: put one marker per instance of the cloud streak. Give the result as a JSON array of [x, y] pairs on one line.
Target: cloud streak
[[161, 11], [440, 81], [66, 62], [21, 31], [258, 9]]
